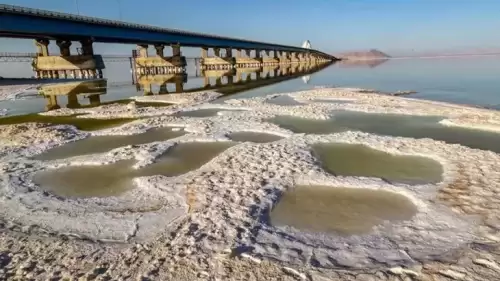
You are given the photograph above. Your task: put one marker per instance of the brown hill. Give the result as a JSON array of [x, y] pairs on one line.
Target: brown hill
[[364, 55]]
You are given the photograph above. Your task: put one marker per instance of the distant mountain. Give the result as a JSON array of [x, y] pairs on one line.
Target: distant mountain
[[364, 55]]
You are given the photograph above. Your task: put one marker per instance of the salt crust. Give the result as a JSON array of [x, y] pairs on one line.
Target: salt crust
[[235, 190]]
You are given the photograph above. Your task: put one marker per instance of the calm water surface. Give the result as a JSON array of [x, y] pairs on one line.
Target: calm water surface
[[467, 80]]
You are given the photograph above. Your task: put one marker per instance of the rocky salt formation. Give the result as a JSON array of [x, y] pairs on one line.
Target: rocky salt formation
[[210, 223]]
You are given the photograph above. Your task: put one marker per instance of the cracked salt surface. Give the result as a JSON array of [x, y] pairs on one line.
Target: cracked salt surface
[[234, 192]]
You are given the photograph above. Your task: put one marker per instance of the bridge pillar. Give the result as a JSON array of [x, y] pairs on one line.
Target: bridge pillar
[[87, 47], [257, 54], [217, 52], [204, 53], [238, 53], [159, 64], [64, 47], [85, 65], [218, 62], [176, 50], [284, 58], [143, 51], [159, 50], [42, 47]]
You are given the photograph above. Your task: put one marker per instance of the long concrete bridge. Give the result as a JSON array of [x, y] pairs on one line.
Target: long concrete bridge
[[44, 26]]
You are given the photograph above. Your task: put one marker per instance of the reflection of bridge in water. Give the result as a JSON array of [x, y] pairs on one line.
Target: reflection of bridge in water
[[92, 90], [229, 81]]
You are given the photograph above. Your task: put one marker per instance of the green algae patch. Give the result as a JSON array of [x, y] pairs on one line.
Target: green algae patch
[[340, 210], [360, 160], [84, 124]]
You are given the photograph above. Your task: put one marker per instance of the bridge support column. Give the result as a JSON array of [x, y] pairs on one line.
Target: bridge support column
[[159, 64], [84, 65], [217, 62], [257, 54], [204, 53], [87, 47], [64, 47], [284, 58]]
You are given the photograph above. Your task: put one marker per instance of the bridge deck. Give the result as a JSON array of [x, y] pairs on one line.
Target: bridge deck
[[20, 22]]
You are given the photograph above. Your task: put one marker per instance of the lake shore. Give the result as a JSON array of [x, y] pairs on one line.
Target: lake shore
[[210, 222]]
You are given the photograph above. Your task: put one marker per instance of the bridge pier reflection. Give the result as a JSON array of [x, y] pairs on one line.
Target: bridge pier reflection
[[92, 90]]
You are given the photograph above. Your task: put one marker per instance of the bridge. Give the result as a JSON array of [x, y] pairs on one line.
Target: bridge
[[44, 26]]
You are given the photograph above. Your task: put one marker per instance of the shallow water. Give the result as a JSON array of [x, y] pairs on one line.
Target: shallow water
[[85, 124], [205, 112], [392, 125], [284, 100], [340, 210], [88, 181], [116, 178], [100, 144], [185, 157], [359, 160], [253, 137]]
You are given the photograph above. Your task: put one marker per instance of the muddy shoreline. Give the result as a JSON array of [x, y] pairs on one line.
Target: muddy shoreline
[[211, 224]]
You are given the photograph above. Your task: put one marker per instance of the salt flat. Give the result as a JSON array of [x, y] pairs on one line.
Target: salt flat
[[211, 222]]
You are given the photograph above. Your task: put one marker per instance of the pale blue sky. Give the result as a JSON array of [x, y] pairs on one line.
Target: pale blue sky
[[394, 26]]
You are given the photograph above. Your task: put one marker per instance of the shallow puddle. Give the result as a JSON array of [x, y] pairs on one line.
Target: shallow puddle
[[113, 179], [100, 144], [284, 100], [253, 137], [88, 181], [360, 160], [85, 124], [392, 125], [185, 157], [340, 210], [205, 112]]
